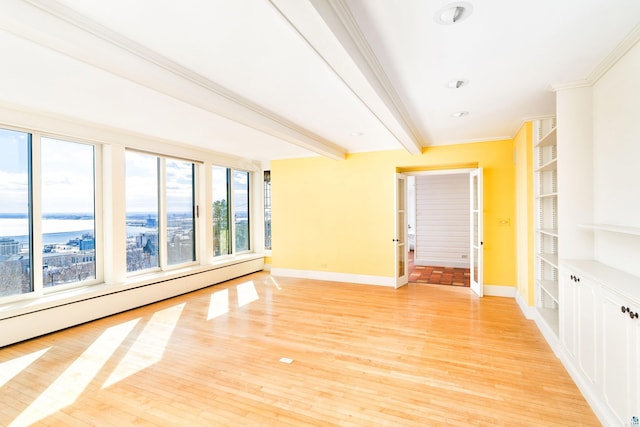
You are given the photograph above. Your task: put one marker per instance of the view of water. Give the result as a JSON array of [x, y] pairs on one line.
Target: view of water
[[54, 230]]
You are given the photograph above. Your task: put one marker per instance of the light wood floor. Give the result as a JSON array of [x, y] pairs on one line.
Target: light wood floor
[[423, 355]]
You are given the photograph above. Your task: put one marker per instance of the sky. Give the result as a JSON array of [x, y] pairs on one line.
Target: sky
[[67, 178]]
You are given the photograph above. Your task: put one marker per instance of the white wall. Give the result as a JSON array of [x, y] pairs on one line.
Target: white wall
[[442, 220], [616, 150]]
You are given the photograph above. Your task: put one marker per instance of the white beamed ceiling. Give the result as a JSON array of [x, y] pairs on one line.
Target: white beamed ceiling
[[266, 80]]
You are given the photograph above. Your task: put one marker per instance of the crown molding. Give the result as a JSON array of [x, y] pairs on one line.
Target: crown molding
[[605, 65], [27, 119], [61, 27]]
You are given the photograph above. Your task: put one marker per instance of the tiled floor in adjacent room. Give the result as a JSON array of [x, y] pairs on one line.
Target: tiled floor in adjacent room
[[435, 275]]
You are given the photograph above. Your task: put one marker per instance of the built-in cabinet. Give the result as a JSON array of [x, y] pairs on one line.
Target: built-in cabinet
[[546, 225], [600, 336]]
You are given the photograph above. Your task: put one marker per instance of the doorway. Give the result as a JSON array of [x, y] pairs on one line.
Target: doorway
[[444, 239]]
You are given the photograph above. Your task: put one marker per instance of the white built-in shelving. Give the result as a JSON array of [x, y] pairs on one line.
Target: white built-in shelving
[[546, 224], [622, 229]]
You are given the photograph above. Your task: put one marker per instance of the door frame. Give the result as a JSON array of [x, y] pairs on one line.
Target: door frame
[[400, 243], [460, 171]]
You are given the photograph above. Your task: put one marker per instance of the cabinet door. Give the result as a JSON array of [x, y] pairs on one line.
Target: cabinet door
[[578, 324], [635, 369], [617, 380], [568, 313], [586, 327]]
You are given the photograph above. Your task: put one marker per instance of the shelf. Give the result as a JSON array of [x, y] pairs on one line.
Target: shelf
[[542, 196], [623, 229], [550, 287], [549, 139], [551, 259], [549, 166], [548, 231]]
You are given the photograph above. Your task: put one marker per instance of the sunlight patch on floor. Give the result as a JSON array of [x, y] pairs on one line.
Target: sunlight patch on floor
[[247, 293], [219, 304], [75, 379], [11, 368], [149, 346]]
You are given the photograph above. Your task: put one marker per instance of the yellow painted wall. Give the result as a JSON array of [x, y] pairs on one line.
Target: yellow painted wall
[[524, 212], [338, 216]]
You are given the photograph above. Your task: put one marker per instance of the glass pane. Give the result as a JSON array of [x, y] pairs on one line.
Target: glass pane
[[180, 212], [221, 240], [241, 209], [267, 210], [15, 240], [142, 211], [474, 273], [68, 212], [402, 259]]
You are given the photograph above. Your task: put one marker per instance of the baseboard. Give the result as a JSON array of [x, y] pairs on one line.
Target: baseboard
[[267, 267], [527, 310], [360, 279], [499, 291]]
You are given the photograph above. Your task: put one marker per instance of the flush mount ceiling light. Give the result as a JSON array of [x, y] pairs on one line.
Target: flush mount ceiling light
[[453, 13], [457, 83], [459, 114]]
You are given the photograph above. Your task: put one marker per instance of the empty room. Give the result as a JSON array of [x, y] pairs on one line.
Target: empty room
[[209, 211]]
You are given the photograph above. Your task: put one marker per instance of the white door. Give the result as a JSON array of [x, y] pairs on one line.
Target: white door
[[476, 244], [401, 233]]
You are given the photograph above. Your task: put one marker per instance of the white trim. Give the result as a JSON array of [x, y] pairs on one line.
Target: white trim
[[499, 291], [597, 404], [603, 67], [360, 279], [547, 333], [20, 118], [29, 319], [527, 310], [60, 28]]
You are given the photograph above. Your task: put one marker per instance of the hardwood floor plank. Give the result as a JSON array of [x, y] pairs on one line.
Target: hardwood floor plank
[[363, 355]]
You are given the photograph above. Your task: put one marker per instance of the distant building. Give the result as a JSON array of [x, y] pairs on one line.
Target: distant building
[[9, 247], [87, 244]]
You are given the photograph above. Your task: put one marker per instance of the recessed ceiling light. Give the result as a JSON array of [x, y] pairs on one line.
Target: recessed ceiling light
[[457, 83], [459, 114], [453, 13], [357, 133]]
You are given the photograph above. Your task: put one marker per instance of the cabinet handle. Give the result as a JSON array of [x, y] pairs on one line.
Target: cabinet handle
[[633, 315], [624, 309]]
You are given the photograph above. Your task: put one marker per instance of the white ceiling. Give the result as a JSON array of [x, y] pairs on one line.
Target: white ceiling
[[271, 79]]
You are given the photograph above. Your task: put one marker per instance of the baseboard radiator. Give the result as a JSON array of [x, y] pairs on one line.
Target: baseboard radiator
[[42, 321]]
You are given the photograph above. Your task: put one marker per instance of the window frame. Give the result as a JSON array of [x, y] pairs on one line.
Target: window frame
[[231, 213], [163, 264], [35, 215]]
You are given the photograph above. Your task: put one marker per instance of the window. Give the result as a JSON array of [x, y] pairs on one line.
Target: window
[[241, 209], [221, 231], [267, 210], [68, 212], [160, 219], [142, 188], [230, 200], [180, 176], [66, 196], [15, 215]]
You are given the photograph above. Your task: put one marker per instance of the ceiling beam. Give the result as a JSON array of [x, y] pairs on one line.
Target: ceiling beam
[[57, 27], [332, 32]]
